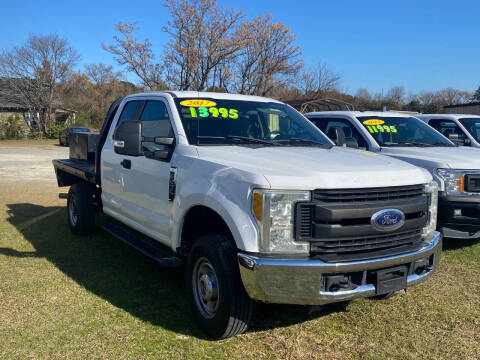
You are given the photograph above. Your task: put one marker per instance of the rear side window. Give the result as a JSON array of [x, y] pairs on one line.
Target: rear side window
[[128, 112]]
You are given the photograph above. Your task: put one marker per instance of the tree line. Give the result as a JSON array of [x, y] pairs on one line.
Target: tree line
[[210, 48]]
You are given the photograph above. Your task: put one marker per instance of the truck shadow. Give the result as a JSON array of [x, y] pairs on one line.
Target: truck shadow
[[124, 277], [454, 244]]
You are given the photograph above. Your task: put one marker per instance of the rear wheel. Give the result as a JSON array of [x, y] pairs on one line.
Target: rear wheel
[[81, 209], [219, 302]]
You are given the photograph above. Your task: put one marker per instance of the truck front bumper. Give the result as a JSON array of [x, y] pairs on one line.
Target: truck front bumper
[[294, 281], [459, 217]]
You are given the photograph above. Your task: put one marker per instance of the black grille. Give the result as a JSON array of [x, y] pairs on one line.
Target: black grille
[[365, 247], [337, 222], [472, 183], [368, 194]]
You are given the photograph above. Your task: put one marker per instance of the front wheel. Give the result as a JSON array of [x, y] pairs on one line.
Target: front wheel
[[218, 299]]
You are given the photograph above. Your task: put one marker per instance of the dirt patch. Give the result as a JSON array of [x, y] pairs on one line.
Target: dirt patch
[[26, 164]]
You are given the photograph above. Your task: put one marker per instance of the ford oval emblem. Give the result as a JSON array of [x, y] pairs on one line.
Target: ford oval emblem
[[388, 219]]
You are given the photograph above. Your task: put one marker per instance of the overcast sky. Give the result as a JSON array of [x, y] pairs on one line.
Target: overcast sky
[[422, 45]]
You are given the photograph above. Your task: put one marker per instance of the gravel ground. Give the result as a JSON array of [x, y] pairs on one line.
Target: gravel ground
[[29, 163]]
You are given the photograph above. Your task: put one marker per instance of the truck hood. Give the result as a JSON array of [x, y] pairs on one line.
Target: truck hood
[[309, 168], [437, 157]]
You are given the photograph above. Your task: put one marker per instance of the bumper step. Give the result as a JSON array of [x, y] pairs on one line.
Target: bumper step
[[149, 247]]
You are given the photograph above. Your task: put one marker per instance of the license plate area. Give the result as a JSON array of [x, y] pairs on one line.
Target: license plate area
[[390, 280]]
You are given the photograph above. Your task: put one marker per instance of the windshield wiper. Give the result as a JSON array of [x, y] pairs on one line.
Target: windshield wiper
[[438, 143], [238, 138], [298, 140], [410, 143]]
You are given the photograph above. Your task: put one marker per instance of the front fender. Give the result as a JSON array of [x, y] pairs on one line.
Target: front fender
[[225, 190]]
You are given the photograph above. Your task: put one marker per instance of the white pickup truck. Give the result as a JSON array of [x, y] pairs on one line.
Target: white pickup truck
[[255, 200], [455, 169], [463, 129]]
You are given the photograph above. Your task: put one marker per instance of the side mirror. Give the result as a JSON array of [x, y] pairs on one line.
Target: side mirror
[[127, 139], [453, 137], [165, 153], [351, 143], [165, 141], [336, 134]]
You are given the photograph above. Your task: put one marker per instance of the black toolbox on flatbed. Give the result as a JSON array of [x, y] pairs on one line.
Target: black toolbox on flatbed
[[83, 145]]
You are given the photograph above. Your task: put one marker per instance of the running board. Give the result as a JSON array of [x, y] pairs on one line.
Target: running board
[[149, 247]]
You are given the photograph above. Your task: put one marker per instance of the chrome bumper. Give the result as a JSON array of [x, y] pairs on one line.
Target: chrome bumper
[[290, 281]]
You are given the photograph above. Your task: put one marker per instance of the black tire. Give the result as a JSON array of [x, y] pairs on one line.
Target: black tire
[[232, 307], [60, 141], [81, 209]]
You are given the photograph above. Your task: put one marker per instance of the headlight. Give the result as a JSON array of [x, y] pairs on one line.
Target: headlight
[[431, 191], [454, 180], [274, 212]]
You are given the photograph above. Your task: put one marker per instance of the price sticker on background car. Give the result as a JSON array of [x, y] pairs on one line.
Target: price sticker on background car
[[374, 122], [381, 128], [378, 125]]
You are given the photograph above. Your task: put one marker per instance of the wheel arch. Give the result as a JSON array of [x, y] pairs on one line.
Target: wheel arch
[[200, 220]]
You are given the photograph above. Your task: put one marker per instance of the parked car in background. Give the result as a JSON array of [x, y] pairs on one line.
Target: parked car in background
[[456, 170], [64, 137], [255, 200], [462, 129]]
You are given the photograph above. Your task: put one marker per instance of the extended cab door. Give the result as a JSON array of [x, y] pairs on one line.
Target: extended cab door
[[140, 192]]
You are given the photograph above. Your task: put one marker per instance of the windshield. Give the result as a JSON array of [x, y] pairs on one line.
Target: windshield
[[254, 123], [473, 127], [402, 131]]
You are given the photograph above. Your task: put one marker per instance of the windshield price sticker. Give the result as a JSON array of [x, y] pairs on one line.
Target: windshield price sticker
[[213, 111], [198, 103], [374, 122], [381, 128]]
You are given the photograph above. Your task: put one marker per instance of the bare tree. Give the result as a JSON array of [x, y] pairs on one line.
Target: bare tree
[[363, 94], [396, 95], [136, 56], [100, 74], [93, 91], [450, 96], [318, 79], [200, 42], [268, 52], [35, 70]]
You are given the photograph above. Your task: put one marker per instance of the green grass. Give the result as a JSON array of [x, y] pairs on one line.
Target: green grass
[[65, 297], [29, 142]]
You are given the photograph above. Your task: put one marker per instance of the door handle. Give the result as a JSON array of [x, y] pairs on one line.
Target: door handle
[[127, 164]]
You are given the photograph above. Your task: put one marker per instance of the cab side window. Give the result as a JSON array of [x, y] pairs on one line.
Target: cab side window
[[155, 123], [447, 127], [351, 133]]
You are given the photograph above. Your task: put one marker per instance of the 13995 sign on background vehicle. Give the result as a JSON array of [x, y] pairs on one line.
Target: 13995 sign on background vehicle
[[255, 201]]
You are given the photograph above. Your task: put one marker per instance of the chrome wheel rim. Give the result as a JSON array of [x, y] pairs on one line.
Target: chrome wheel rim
[[73, 211], [205, 287]]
